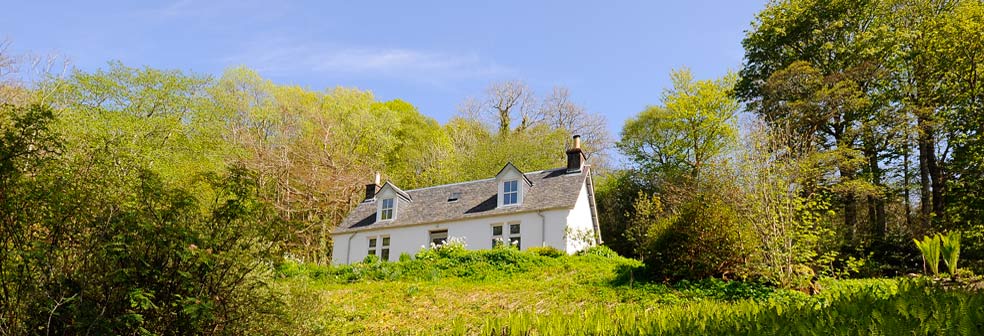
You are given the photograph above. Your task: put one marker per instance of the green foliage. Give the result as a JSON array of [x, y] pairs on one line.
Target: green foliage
[[94, 242], [703, 240], [546, 251], [911, 308], [615, 193], [405, 257], [601, 251], [430, 264], [951, 250], [692, 128], [930, 249], [371, 259], [647, 220]]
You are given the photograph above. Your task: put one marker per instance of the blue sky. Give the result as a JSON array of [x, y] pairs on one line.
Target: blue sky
[[614, 56]]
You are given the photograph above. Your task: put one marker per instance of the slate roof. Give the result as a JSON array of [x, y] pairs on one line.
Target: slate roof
[[551, 189]]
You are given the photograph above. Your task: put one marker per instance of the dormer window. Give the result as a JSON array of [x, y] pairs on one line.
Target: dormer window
[[512, 186], [510, 192], [386, 209]]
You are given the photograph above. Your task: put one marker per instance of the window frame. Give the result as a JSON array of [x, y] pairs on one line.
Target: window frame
[[517, 236], [373, 245], [430, 236], [497, 238], [384, 248], [512, 195], [384, 210], [506, 234], [378, 246]]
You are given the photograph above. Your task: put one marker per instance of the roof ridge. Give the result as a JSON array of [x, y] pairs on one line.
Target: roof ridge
[[475, 181]]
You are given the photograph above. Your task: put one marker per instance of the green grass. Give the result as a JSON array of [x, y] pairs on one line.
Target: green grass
[[507, 292]]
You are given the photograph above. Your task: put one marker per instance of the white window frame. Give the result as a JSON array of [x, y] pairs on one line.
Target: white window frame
[[373, 245], [384, 247], [506, 235], [517, 236], [497, 238], [383, 243], [506, 193], [430, 236], [391, 209]]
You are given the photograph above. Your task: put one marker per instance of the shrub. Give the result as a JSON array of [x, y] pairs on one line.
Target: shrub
[[404, 257], [703, 240], [546, 251], [601, 251], [371, 259]]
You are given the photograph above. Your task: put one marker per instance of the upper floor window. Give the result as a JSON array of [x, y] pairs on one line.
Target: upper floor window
[[386, 210], [510, 192]]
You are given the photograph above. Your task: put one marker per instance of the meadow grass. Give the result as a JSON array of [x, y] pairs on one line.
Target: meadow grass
[[507, 292]]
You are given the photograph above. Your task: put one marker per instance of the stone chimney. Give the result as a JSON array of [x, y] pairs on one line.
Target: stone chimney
[[575, 156], [371, 189]]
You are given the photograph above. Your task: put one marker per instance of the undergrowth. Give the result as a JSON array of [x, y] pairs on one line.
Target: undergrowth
[[504, 291]]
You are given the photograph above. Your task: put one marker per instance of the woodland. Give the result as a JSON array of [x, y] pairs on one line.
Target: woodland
[[848, 145]]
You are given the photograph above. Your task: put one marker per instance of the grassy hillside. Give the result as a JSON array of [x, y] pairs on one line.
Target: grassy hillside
[[503, 291]]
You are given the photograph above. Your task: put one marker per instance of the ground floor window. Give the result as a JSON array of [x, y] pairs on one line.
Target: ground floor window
[[381, 245], [439, 237], [500, 236], [497, 235], [514, 238], [384, 251]]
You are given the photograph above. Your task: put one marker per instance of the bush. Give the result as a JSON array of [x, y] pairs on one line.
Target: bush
[[404, 257], [601, 251], [703, 240], [546, 251], [371, 259]]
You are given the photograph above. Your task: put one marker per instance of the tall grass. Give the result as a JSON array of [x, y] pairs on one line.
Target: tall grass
[[915, 308]]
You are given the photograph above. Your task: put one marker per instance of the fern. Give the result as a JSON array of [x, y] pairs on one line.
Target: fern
[[930, 248], [951, 251]]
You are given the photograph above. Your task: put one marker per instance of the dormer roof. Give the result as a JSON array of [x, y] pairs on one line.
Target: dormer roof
[[509, 167], [399, 192]]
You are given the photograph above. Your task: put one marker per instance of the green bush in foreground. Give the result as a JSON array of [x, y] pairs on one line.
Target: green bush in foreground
[[914, 308]]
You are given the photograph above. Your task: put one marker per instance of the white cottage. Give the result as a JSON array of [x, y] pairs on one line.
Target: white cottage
[[553, 207]]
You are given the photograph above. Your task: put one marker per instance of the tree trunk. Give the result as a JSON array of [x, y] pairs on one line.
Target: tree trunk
[[876, 204], [926, 154], [906, 183]]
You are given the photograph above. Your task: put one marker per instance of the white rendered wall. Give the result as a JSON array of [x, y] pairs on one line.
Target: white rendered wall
[[580, 226], [477, 234]]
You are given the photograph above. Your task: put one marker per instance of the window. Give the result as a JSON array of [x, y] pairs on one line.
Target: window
[[514, 238], [386, 210], [500, 236], [497, 235], [439, 237], [385, 249], [510, 192]]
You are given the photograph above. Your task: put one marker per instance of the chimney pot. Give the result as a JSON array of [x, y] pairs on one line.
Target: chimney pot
[[575, 156], [372, 189]]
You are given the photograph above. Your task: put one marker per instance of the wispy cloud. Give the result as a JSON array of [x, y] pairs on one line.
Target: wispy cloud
[[198, 9], [282, 58]]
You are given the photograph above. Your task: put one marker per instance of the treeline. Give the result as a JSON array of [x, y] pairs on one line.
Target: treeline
[[139, 200], [863, 131]]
